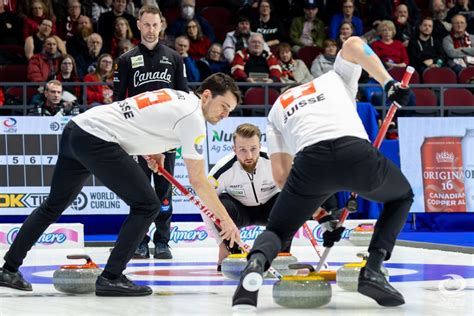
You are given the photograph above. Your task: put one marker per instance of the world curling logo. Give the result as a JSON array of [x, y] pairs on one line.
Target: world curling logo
[[9, 125], [55, 126]]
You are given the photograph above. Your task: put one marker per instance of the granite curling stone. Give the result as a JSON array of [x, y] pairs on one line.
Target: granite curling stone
[[77, 279], [281, 264], [347, 277], [361, 235], [233, 265], [297, 291]]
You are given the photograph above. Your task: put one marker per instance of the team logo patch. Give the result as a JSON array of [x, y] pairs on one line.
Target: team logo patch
[[165, 60], [137, 61], [236, 191], [198, 144]]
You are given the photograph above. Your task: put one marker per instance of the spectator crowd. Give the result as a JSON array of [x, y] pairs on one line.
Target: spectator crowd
[[260, 41]]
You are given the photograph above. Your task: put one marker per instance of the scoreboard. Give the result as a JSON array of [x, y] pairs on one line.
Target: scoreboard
[[29, 159]]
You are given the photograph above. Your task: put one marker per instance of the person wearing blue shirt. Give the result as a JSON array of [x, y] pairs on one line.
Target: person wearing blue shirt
[[347, 15], [181, 45]]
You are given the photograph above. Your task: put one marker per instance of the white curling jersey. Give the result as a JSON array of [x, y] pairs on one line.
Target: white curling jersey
[[250, 189], [150, 123], [319, 110]]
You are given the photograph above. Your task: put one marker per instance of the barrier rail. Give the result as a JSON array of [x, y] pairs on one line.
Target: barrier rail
[[440, 110]]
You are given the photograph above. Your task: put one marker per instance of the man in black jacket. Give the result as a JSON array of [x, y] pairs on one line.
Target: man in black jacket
[[425, 51], [152, 66]]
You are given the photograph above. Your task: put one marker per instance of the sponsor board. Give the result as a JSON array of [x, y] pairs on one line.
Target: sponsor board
[[56, 236], [91, 200], [33, 125], [190, 234], [219, 136], [437, 157]]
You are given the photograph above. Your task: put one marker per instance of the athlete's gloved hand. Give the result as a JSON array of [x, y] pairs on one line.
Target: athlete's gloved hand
[[331, 233], [396, 93]]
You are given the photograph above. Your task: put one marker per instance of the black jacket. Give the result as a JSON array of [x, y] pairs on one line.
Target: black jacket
[[141, 69], [419, 51]]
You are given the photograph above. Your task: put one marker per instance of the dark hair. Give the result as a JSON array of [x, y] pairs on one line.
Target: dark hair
[[283, 47], [267, 1], [74, 66], [149, 9], [329, 42], [199, 35], [426, 18], [246, 130], [219, 83], [242, 18]]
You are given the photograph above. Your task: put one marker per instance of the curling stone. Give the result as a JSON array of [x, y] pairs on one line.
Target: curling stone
[[295, 291], [77, 278], [281, 263], [361, 235], [233, 265], [347, 277]]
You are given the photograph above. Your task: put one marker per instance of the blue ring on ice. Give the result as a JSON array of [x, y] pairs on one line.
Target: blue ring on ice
[[423, 272]]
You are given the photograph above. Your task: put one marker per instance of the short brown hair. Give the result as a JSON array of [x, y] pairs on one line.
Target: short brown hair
[[219, 83], [149, 9], [329, 42], [283, 47], [246, 130]]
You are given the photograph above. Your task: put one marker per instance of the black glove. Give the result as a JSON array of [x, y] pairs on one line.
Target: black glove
[[331, 233], [396, 93]]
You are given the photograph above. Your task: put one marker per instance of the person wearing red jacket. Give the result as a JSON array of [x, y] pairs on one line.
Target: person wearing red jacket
[[390, 51], [38, 12], [255, 60], [100, 94], [198, 42], [45, 65], [122, 30]]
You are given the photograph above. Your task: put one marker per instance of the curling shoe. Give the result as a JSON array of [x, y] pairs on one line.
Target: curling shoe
[[374, 285], [120, 286], [14, 280], [246, 295]]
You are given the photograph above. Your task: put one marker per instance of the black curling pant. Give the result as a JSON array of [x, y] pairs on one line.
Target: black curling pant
[[343, 164], [163, 191], [80, 155]]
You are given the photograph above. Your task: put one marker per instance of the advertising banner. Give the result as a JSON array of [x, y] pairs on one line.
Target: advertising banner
[[437, 157], [185, 234], [56, 236]]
